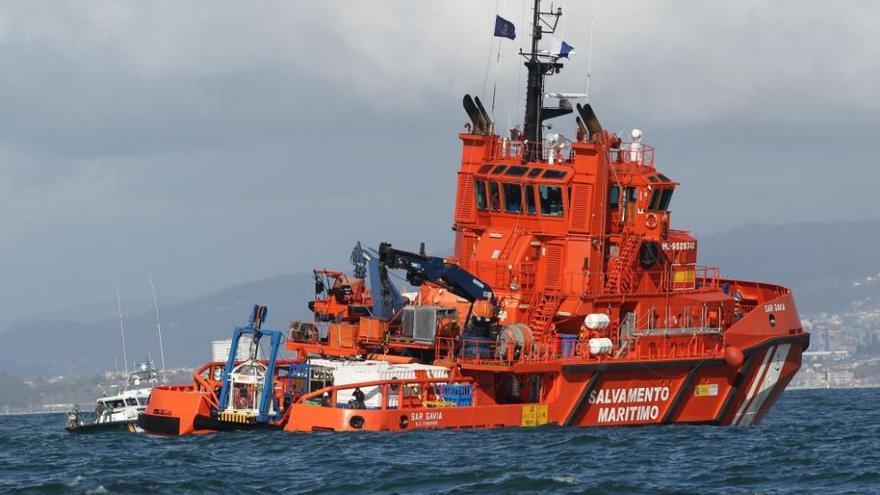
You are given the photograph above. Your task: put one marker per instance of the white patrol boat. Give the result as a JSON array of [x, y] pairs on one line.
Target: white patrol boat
[[119, 411]]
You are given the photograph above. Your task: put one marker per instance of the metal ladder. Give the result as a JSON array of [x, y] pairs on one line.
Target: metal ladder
[[544, 307], [620, 278]]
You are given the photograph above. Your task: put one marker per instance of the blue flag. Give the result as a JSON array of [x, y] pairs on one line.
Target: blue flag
[[504, 28], [565, 49], [561, 49]]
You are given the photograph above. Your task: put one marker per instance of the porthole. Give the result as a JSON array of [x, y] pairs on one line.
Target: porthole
[[357, 422]]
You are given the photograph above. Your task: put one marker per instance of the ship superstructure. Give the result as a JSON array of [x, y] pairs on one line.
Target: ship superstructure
[[570, 299]]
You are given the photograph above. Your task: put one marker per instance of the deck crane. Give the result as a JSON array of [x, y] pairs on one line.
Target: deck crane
[[421, 268], [387, 299]]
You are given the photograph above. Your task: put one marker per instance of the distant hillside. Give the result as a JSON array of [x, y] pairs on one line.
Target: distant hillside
[[49, 348], [824, 263], [829, 266], [12, 391]]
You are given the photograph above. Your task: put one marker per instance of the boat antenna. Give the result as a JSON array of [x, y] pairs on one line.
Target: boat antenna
[[159, 330], [121, 329], [590, 47]]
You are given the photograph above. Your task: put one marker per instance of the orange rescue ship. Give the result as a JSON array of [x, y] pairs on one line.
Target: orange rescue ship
[[570, 300]]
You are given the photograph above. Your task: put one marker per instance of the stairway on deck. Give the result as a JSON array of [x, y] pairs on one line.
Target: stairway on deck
[[621, 277]]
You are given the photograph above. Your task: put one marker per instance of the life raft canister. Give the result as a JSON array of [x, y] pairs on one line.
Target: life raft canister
[[733, 356]]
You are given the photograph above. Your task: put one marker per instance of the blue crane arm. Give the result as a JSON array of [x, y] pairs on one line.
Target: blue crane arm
[[387, 299], [420, 269]]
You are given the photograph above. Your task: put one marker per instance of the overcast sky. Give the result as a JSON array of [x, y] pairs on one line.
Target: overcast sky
[[211, 143]]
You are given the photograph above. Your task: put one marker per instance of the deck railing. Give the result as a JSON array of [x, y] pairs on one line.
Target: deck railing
[[503, 148], [680, 331], [636, 346], [707, 277], [394, 393], [636, 153]]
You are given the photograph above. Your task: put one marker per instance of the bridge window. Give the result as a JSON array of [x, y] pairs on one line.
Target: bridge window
[[499, 169], [516, 171], [614, 197], [531, 208], [631, 194], [512, 198], [667, 197], [480, 190], [655, 199], [494, 196], [551, 200], [660, 199], [484, 169], [534, 172], [554, 174]]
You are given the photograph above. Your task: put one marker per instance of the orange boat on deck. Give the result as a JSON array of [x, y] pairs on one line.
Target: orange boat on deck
[[570, 300]]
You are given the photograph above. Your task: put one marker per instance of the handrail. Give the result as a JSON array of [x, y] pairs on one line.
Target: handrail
[[553, 349], [388, 381], [203, 384], [641, 154], [212, 396], [503, 148], [707, 277]]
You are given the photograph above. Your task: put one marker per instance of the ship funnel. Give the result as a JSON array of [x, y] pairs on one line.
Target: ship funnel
[[589, 119], [479, 119], [583, 128], [484, 114]]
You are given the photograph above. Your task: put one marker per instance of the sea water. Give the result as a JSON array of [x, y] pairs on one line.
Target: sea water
[[813, 441]]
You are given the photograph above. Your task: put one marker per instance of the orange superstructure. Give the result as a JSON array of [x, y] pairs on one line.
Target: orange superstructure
[[570, 299]]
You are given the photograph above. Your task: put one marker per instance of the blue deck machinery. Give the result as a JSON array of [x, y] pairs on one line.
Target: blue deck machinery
[[246, 392]]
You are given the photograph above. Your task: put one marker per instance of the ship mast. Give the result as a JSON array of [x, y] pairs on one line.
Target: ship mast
[[122, 331], [159, 329], [540, 65]]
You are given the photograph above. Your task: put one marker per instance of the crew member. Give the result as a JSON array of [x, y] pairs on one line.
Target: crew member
[[241, 401], [359, 397]]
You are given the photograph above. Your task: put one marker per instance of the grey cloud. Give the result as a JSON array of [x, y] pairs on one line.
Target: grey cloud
[[216, 142]]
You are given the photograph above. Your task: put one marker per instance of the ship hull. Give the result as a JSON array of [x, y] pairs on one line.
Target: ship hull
[[175, 410], [707, 391], [693, 391], [128, 426], [638, 390], [684, 391]]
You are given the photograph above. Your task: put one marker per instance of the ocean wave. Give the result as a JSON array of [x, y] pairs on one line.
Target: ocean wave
[[812, 441]]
